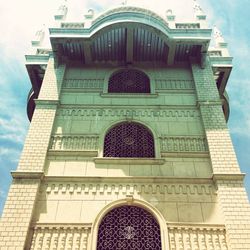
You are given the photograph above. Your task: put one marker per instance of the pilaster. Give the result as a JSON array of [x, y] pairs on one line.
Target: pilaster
[[221, 150], [17, 214], [227, 176]]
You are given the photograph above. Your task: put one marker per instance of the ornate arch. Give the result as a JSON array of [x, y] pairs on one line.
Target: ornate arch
[[129, 139], [129, 227], [129, 81], [151, 211]]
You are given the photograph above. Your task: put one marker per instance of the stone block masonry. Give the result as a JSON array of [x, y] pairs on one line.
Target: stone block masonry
[[18, 211], [231, 193], [17, 214]]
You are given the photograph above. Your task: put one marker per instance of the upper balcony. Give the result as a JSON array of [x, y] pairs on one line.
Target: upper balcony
[[129, 35]]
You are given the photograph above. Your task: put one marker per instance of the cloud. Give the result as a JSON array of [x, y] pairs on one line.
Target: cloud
[[8, 152], [239, 94], [2, 194], [13, 128]]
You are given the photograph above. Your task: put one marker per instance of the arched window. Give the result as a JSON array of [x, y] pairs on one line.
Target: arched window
[[129, 81], [129, 227], [129, 139]]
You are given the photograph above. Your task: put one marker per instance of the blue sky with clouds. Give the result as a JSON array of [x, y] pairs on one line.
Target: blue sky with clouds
[[19, 20]]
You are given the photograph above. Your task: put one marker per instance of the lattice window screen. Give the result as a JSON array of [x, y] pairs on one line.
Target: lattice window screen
[[129, 139], [130, 228], [129, 81]]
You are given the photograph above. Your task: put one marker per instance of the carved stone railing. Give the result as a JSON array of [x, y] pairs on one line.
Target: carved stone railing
[[74, 142], [187, 26], [83, 83], [181, 236], [197, 237], [60, 237], [183, 144], [170, 84]]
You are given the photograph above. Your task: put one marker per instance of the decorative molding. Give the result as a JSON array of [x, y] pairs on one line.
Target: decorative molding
[[173, 113], [26, 175], [122, 188], [187, 25], [64, 154], [134, 179], [72, 25], [171, 84], [129, 95], [228, 176], [60, 236], [47, 103], [185, 154], [83, 83], [74, 142], [204, 237], [183, 144], [209, 103], [129, 161], [137, 10]]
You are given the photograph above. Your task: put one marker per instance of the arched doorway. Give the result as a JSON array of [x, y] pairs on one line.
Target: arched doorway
[[129, 228]]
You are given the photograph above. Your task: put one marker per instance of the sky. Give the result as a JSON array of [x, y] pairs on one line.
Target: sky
[[19, 20]]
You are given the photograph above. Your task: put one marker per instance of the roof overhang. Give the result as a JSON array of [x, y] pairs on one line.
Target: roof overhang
[[123, 36]]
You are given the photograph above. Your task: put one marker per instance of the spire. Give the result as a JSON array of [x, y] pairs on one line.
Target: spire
[[198, 11], [219, 40], [62, 11]]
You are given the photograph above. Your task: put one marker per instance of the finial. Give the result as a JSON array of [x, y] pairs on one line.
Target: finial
[[90, 14], [62, 11], [198, 11], [38, 38], [170, 16]]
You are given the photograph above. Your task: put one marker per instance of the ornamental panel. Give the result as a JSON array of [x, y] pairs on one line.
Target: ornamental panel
[[60, 237], [74, 142], [172, 84], [183, 144], [204, 237], [129, 227], [83, 83], [129, 81]]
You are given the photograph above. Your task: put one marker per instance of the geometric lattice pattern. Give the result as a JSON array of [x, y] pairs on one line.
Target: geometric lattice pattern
[[129, 139], [129, 228], [129, 81]]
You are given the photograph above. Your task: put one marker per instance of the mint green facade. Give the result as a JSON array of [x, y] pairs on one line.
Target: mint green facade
[[64, 186]]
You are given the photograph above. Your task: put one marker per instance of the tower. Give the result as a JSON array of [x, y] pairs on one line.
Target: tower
[[128, 145]]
